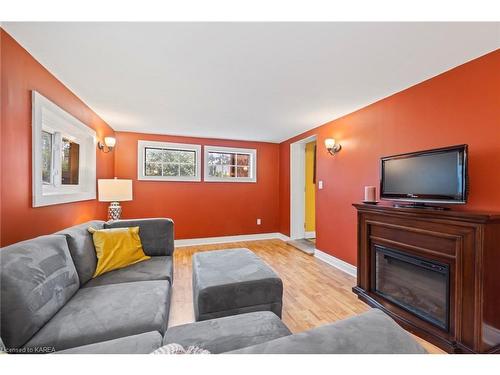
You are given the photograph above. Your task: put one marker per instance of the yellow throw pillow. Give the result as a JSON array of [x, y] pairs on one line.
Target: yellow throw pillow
[[117, 248]]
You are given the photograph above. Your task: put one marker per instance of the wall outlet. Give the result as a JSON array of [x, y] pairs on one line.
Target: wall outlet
[[320, 184], [259, 221]]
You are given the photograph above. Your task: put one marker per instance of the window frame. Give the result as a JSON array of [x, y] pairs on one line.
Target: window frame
[[49, 117], [234, 150], [141, 160]]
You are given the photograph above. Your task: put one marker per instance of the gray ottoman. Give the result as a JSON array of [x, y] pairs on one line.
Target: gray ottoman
[[231, 282], [229, 333]]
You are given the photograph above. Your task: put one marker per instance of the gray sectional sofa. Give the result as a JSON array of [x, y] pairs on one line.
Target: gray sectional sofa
[[49, 302], [49, 299]]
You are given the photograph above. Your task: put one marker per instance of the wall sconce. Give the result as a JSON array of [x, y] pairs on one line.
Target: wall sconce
[[108, 145], [331, 146]]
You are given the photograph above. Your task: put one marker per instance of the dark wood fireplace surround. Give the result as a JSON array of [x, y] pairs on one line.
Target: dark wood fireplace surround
[[468, 242]]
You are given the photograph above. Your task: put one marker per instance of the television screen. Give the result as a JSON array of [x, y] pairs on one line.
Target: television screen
[[427, 176]]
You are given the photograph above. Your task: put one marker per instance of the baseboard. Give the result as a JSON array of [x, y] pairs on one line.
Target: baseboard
[[226, 239], [310, 234], [336, 262]]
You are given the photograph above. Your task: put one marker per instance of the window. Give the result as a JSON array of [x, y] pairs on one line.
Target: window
[[67, 163], [225, 164], [168, 161], [64, 166]]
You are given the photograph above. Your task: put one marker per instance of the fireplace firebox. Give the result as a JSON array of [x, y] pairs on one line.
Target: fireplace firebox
[[416, 284]]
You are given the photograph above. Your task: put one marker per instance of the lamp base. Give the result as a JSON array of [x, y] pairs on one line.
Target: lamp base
[[114, 211]]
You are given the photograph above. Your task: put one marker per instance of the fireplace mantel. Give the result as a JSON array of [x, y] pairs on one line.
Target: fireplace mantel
[[467, 243]]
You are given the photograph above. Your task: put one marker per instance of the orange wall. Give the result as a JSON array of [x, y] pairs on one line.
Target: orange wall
[[204, 209], [21, 73], [459, 106]]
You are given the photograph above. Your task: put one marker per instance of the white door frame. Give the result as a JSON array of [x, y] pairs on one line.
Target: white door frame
[[297, 187]]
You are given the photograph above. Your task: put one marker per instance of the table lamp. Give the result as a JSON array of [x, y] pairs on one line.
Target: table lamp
[[114, 191]]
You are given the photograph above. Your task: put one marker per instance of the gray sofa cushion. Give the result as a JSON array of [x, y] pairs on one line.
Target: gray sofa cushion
[[107, 312], [81, 247], [372, 332], [37, 278], [229, 333], [156, 268], [157, 235], [144, 343], [229, 280]]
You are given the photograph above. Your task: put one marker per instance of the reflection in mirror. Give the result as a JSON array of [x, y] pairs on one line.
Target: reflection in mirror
[[70, 162]]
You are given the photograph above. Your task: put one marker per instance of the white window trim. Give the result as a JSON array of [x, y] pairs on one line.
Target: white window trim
[[142, 145], [50, 117], [253, 164]]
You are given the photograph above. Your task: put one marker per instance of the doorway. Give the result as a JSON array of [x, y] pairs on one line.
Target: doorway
[[303, 194], [310, 191]]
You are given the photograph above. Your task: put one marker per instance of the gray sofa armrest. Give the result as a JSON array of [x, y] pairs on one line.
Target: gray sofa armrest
[[143, 343], [157, 235], [372, 332]]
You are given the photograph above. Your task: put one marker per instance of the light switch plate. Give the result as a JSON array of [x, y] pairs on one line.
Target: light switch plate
[[320, 184]]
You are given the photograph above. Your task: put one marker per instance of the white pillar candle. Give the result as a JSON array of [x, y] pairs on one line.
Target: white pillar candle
[[370, 194]]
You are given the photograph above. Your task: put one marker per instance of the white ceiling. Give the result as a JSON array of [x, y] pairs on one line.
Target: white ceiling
[[250, 81]]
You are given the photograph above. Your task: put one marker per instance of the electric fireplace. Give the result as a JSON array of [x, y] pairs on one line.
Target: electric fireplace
[[434, 272], [418, 285]]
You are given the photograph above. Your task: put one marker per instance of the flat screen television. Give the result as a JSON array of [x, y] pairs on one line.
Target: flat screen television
[[431, 176]]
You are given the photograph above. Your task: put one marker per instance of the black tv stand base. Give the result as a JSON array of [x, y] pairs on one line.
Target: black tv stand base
[[420, 206]]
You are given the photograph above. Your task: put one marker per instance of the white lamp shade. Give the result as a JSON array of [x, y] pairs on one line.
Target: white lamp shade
[[329, 143], [114, 190], [110, 141]]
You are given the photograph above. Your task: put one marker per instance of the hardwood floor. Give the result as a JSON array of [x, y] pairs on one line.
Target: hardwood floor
[[314, 292]]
